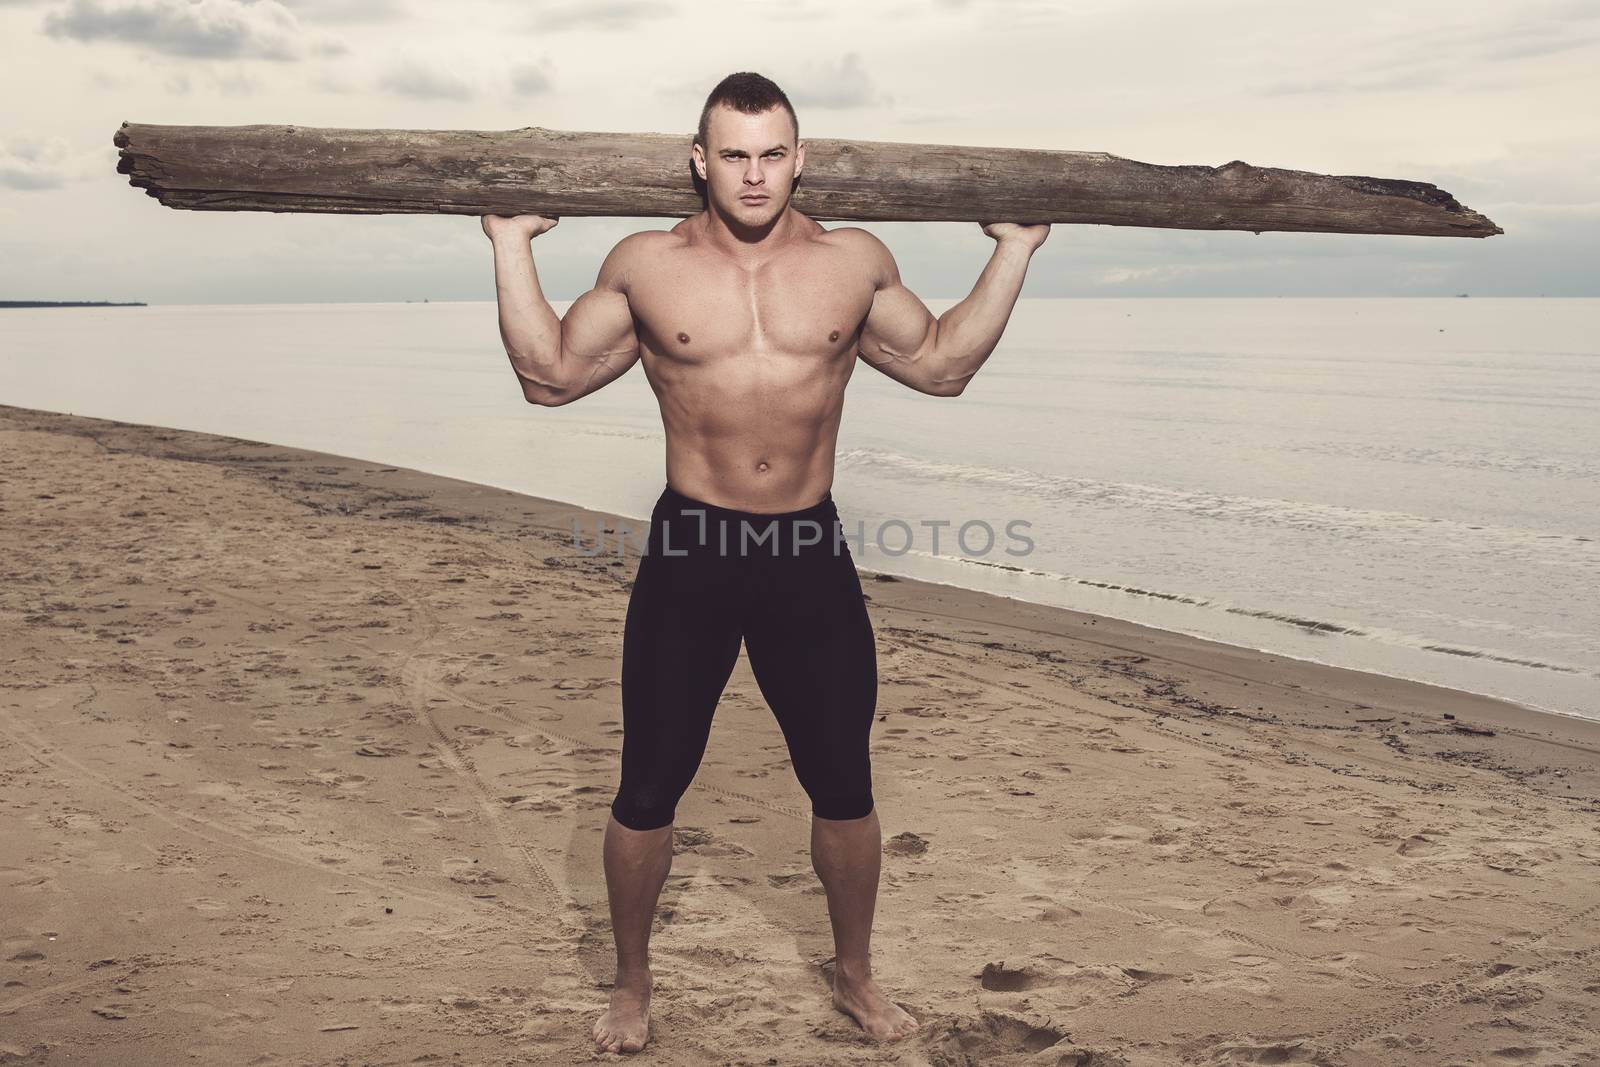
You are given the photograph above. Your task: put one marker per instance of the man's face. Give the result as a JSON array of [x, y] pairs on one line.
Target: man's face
[[749, 163]]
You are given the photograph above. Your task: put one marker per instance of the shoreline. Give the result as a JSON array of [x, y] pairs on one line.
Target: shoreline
[[309, 757], [1520, 705]]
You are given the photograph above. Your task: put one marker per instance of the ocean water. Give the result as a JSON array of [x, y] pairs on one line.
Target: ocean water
[[1407, 486]]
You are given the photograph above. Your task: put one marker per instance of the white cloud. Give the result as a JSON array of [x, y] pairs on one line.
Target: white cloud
[[604, 15], [32, 163], [202, 29], [531, 79], [845, 83], [458, 78], [1162, 273], [349, 11], [427, 79]]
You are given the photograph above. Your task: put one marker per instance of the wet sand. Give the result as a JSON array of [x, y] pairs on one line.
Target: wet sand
[[306, 759]]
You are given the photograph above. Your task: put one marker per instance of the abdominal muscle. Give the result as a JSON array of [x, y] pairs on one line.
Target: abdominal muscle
[[761, 441]]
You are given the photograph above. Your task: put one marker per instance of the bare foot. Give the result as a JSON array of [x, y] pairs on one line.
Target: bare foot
[[880, 1017], [625, 1027]]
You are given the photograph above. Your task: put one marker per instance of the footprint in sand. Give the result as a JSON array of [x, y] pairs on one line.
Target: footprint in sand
[[423, 822], [580, 688], [332, 778], [379, 751], [1417, 845], [520, 802], [906, 844], [996, 1037], [1250, 961], [402, 1006], [703, 842], [1273, 1052], [1000, 978], [24, 879], [786, 881], [464, 870], [1142, 974]]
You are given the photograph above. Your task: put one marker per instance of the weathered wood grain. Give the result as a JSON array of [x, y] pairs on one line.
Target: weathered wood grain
[[564, 173]]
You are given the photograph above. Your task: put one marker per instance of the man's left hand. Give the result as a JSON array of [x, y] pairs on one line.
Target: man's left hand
[[1032, 236]]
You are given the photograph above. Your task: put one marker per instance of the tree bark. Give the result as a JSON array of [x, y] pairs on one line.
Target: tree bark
[[556, 172]]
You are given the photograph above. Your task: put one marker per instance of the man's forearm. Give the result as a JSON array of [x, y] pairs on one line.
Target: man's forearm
[[969, 332], [529, 326]]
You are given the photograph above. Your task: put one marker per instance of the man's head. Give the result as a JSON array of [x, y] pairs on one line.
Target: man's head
[[748, 143]]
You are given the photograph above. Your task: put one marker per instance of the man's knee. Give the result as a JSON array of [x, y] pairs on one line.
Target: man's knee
[[842, 806], [838, 781], [638, 811]]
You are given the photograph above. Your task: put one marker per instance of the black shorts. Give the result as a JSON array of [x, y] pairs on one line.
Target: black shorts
[[787, 586]]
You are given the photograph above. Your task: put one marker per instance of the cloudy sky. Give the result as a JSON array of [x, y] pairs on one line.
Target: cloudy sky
[[1491, 101]]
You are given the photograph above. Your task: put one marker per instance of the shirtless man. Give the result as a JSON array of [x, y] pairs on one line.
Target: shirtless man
[[749, 318]]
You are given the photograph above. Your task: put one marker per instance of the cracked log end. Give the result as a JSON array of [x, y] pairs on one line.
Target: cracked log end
[[1425, 193], [1460, 220]]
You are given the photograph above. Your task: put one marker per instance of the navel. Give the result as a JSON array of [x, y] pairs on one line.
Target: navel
[[683, 337], [761, 466]]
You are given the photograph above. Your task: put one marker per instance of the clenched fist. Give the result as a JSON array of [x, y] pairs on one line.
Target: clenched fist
[[1032, 236], [525, 227]]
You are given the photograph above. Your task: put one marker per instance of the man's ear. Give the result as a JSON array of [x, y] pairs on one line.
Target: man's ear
[[697, 155], [799, 157]]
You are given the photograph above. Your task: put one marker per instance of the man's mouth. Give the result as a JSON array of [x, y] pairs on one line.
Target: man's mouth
[[754, 198]]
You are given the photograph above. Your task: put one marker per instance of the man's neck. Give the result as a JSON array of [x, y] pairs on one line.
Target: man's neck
[[749, 245]]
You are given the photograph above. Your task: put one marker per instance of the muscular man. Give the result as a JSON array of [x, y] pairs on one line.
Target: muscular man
[[749, 318]]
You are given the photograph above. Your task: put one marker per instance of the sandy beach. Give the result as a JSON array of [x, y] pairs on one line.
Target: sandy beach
[[306, 760]]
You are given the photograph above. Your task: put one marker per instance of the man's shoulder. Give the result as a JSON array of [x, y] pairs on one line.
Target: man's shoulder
[[632, 255], [645, 241], [854, 236], [865, 247], [858, 241]]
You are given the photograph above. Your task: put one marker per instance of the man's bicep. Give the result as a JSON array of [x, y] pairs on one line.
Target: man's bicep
[[899, 334], [598, 325], [598, 338], [898, 329]]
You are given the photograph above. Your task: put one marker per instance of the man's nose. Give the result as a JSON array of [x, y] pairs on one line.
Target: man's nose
[[752, 174]]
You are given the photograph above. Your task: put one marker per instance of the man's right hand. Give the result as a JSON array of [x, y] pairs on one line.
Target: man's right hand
[[525, 227]]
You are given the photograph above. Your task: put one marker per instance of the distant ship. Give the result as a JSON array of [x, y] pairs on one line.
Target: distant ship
[[1461, 294], [70, 304]]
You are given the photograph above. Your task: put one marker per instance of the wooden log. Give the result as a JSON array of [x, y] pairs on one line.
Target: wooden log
[[563, 173]]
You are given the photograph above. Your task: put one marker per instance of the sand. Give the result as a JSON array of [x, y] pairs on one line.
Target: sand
[[306, 759]]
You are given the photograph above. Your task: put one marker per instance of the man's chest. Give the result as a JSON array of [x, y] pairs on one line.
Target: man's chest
[[697, 307]]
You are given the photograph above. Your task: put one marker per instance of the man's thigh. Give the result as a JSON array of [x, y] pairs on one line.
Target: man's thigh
[[814, 656], [680, 643]]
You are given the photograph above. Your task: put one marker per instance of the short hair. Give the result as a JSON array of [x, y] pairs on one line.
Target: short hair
[[747, 92]]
